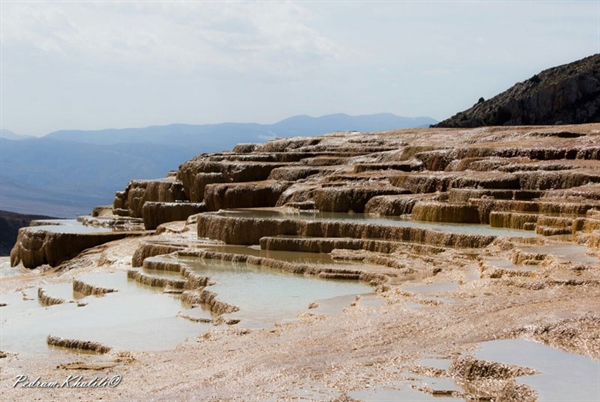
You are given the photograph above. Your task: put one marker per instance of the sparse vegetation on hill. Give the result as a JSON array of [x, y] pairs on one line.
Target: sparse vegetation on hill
[[567, 94]]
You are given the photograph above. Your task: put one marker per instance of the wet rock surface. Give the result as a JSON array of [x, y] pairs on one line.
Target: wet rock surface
[[436, 291]]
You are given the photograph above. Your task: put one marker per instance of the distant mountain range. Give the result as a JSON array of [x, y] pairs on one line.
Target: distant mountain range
[[68, 172], [9, 135], [219, 137]]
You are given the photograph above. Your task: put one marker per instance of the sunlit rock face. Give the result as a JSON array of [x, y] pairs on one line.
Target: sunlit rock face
[[545, 180], [157, 213], [35, 247], [138, 192], [541, 179], [568, 94]]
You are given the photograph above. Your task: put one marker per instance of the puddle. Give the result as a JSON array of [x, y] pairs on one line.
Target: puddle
[[564, 376], [62, 291], [435, 383], [505, 264], [370, 300], [134, 318], [334, 305], [265, 295], [564, 252], [289, 256], [161, 272], [321, 259], [140, 317], [397, 393], [432, 288], [7, 271], [65, 226], [442, 364], [388, 220]]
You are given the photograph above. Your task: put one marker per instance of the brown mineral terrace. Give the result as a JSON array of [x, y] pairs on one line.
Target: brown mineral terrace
[[466, 236]]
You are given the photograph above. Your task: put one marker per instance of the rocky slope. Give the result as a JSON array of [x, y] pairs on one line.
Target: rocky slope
[[567, 94]]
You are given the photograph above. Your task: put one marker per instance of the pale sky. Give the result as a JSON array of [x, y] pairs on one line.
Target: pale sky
[[114, 64]]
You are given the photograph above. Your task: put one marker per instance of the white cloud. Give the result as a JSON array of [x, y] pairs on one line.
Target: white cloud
[[273, 38], [134, 63]]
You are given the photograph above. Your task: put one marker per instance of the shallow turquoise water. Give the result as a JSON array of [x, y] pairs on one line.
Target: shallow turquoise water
[[265, 295], [139, 317], [65, 226], [564, 376], [135, 318]]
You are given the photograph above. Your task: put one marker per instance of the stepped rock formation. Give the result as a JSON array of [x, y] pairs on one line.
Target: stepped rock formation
[[35, 247], [567, 94], [411, 213], [542, 179]]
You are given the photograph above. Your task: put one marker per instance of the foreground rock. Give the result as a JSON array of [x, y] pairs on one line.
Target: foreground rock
[[36, 246]]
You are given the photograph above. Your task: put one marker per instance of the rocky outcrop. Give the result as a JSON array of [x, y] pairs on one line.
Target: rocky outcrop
[[77, 344], [395, 205], [445, 212], [243, 195], [513, 220], [329, 244], [208, 299], [469, 368], [201, 171], [155, 281], [240, 230], [568, 94], [148, 249], [35, 247], [88, 289], [10, 223], [138, 192], [47, 300], [350, 198], [157, 213]]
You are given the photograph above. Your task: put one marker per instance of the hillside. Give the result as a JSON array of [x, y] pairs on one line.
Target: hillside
[[567, 94]]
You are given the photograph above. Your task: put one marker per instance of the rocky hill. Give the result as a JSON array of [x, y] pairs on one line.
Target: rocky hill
[[567, 94]]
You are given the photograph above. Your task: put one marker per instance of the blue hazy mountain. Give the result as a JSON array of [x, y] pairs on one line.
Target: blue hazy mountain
[[67, 173], [218, 137], [65, 178], [9, 135]]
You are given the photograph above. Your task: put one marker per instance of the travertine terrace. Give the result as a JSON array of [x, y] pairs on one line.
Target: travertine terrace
[[445, 283]]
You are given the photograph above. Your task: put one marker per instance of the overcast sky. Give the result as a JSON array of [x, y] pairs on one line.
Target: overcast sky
[[93, 65]]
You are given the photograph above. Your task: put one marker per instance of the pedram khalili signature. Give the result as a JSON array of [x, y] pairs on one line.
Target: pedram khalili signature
[[72, 381]]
